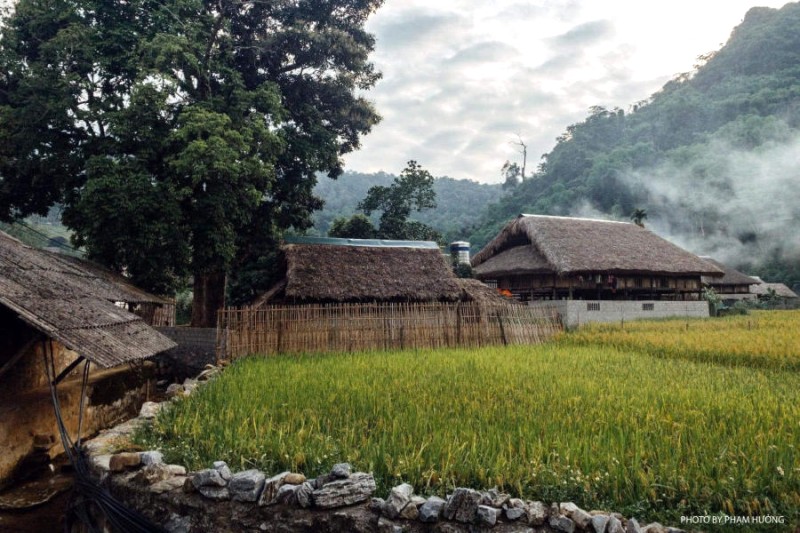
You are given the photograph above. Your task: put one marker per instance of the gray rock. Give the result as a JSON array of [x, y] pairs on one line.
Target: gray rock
[[399, 498], [357, 488], [166, 485], [599, 523], [341, 470], [655, 527], [304, 495], [581, 518], [430, 510], [487, 516], [496, 498], [462, 506], [514, 513], [154, 473], [410, 511], [176, 470], [271, 486], [376, 504], [614, 525], [567, 508], [287, 495], [537, 513], [562, 523], [215, 493], [417, 501], [208, 478], [385, 526], [222, 468], [178, 524], [149, 410], [632, 526], [174, 390], [516, 503], [189, 385], [674, 530], [246, 486], [151, 457]]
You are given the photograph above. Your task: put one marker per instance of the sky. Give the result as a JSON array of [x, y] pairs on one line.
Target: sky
[[465, 80]]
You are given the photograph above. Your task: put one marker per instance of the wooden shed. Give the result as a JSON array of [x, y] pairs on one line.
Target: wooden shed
[[56, 313], [539, 257]]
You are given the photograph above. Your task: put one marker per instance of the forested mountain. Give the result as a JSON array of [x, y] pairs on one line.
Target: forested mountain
[[457, 202], [712, 157]]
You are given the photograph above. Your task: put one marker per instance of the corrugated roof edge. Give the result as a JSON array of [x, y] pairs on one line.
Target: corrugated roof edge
[[374, 243]]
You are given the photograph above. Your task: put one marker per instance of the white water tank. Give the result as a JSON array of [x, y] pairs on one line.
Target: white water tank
[[460, 251]]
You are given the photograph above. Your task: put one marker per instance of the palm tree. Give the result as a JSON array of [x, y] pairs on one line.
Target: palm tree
[[638, 216]]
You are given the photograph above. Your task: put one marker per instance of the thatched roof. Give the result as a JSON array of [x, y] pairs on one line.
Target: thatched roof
[[478, 292], [72, 302], [731, 277], [762, 289], [564, 245], [365, 273]]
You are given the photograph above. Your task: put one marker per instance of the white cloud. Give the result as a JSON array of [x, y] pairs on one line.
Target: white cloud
[[463, 77]]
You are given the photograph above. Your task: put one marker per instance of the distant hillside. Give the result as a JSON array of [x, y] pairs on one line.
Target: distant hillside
[[712, 157], [458, 201]]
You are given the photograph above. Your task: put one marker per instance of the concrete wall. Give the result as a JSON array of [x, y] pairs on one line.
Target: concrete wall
[[577, 312], [196, 349]]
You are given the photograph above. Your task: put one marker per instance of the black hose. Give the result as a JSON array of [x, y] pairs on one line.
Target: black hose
[[87, 492]]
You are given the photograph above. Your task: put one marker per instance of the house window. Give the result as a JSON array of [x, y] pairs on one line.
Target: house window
[[638, 283], [648, 307], [664, 283], [593, 306], [491, 283]]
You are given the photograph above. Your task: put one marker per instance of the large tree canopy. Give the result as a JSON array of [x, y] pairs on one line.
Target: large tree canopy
[[179, 135]]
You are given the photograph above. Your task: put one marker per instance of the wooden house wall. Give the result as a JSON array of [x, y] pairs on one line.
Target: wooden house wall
[[632, 284]]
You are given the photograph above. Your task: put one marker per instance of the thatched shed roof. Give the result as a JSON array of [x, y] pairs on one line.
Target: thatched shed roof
[[564, 245], [355, 273], [781, 290], [731, 277], [73, 303]]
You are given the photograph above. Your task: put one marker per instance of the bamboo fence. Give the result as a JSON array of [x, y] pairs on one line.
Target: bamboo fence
[[379, 326]]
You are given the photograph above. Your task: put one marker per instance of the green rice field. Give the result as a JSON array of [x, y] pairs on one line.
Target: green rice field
[[651, 429]]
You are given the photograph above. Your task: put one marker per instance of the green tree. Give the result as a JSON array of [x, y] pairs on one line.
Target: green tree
[[356, 227], [181, 137], [411, 191]]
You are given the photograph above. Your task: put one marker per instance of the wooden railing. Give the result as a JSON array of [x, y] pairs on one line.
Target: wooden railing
[[384, 326]]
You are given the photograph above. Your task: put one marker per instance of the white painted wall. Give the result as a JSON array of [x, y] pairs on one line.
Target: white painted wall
[[577, 312]]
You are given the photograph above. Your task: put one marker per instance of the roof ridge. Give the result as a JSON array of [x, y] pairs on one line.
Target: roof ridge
[[526, 215]]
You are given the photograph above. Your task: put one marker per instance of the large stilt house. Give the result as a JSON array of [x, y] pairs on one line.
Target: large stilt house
[[539, 257]]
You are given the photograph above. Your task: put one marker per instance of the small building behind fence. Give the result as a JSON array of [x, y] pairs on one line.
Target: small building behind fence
[[352, 295]]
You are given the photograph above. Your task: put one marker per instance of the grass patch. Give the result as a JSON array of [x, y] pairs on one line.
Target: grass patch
[[606, 427]]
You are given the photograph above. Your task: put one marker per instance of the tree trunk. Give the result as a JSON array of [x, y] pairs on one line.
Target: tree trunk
[[209, 297]]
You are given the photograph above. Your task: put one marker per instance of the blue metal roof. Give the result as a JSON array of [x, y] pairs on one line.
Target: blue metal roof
[[375, 243]]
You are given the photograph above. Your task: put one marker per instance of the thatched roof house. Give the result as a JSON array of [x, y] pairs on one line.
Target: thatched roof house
[[549, 256], [762, 288], [56, 311], [73, 302], [356, 270], [732, 285]]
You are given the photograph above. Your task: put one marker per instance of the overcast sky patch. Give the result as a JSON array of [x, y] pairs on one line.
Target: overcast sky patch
[[463, 78]]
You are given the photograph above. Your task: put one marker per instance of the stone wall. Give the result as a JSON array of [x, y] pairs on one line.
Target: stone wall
[[575, 313], [196, 349]]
